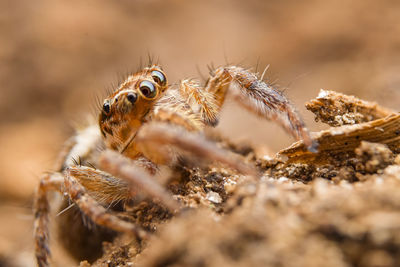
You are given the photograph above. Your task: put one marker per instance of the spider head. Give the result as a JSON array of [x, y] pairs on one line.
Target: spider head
[[124, 111]]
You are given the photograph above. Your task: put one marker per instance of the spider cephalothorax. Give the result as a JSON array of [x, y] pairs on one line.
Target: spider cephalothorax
[[147, 123], [125, 110]]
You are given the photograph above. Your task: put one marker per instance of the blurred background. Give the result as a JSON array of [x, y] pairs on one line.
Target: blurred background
[[56, 57]]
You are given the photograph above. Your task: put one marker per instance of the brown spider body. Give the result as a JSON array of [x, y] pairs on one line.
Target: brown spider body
[[151, 123]]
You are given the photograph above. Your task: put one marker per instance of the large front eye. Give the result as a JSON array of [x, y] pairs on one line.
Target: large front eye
[[106, 107], [148, 90], [158, 77]]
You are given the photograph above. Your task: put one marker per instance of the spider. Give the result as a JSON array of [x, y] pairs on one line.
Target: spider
[[146, 123]]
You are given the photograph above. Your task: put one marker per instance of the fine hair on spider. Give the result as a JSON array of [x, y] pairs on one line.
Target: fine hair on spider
[[146, 123]]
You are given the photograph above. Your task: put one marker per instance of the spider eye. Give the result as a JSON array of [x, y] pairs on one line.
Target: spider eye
[[158, 77], [106, 107], [148, 90], [131, 97]]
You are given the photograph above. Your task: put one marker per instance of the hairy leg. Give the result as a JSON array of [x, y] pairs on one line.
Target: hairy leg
[[250, 92], [137, 177], [163, 142], [96, 212], [200, 100], [50, 182], [101, 186]]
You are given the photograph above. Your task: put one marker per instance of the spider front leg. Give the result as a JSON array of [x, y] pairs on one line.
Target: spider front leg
[[250, 92], [121, 166], [163, 142]]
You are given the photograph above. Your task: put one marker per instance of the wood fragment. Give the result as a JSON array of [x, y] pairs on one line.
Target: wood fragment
[[368, 122], [338, 109]]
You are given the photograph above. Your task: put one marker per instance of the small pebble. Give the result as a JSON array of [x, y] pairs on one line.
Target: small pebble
[[214, 197]]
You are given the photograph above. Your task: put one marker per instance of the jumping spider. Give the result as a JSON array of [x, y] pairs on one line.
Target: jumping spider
[[146, 123]]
